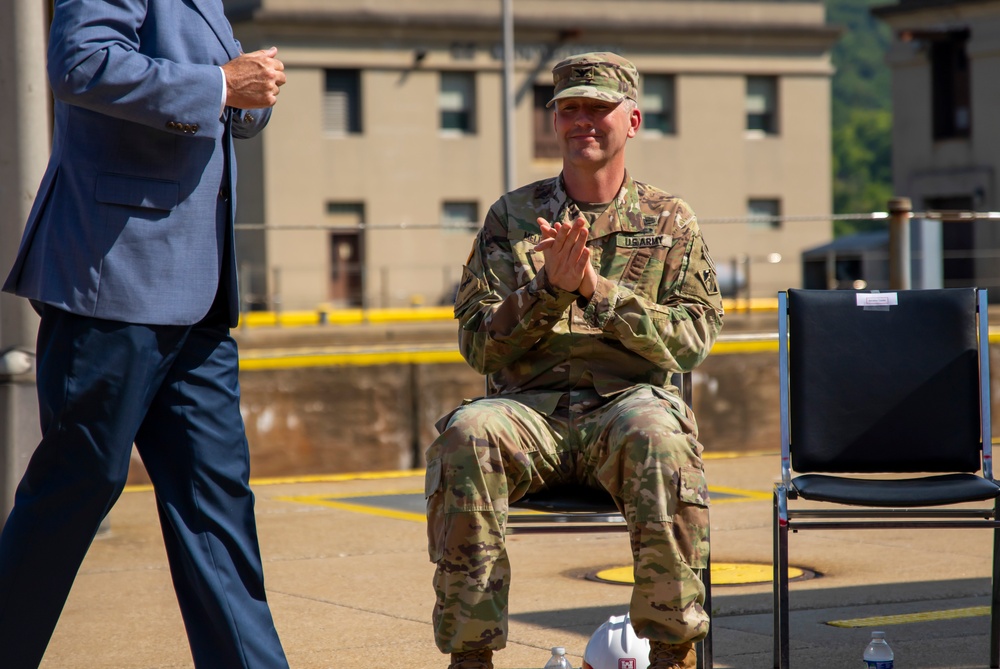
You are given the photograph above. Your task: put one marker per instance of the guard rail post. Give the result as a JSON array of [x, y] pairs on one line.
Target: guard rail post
[[900, 212]]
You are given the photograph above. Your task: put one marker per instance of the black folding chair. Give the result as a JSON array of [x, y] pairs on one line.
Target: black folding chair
[[584, 509], [885, 385]]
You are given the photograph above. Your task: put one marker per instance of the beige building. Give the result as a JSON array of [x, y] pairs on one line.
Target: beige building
[[946, 142], [387, 146]]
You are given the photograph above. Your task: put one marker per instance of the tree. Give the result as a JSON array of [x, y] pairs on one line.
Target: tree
[[862, 159], [862, 113]]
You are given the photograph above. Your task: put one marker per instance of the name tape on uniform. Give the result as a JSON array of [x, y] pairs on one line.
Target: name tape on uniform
[[644, 241]]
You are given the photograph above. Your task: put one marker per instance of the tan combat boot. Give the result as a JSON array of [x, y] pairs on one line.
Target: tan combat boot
[[473, 659], [663, 655]]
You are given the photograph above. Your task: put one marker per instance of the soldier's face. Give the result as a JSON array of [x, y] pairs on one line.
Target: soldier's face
[[593, 131]]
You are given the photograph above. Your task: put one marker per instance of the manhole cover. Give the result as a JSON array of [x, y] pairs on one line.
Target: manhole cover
[[723, 573]]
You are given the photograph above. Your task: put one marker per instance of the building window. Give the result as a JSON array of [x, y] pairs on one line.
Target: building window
[[345, 214], [456, 100], [342, 102], [657, 104], [951, 92], [762, 105], [460, 216], [763, 213], [546, 143]]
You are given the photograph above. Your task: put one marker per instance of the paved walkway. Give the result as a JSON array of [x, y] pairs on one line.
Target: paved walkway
[[349, 583]]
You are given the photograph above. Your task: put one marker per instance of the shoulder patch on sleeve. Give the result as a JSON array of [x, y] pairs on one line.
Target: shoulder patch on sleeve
[[707, 273], [469, 288], [707, 277]]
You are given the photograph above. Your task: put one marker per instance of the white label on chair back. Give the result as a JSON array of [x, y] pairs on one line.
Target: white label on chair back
[[876, 299]]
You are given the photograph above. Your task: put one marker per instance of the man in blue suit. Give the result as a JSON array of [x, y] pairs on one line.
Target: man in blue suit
[[128, 256]]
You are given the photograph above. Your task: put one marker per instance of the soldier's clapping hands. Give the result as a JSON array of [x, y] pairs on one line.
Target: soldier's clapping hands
[[567, 258]]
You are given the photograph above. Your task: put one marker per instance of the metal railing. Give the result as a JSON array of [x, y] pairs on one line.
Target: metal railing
[[741, 276]]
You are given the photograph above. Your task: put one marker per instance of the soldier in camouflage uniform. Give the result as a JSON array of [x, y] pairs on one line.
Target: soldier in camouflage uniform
[[582, 295]]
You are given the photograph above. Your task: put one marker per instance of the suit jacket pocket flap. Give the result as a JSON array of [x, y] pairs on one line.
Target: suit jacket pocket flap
[[137, 192]]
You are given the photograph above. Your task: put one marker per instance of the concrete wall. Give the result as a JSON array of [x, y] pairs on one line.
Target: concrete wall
[[381, 418], [329, 420]]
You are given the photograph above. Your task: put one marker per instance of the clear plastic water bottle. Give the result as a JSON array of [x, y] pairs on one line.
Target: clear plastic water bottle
[[878, 655], [559, 660]]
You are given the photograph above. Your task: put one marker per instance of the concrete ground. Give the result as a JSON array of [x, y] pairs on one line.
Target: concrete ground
[[349, 584]]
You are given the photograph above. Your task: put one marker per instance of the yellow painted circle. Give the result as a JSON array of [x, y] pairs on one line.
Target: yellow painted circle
[[723, 573]]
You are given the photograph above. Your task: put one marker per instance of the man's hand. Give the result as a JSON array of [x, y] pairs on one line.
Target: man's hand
[[567, 258], [253, 79]]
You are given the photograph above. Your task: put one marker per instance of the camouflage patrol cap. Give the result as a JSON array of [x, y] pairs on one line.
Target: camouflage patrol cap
[[601, 75]]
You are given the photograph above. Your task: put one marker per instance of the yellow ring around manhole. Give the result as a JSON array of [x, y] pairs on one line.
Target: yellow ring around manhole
[[723, 573]]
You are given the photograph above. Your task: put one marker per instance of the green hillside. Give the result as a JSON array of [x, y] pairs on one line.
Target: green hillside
[[862, 112]]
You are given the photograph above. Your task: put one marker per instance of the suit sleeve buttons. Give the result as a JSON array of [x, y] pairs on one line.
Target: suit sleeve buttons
[[186, 128]]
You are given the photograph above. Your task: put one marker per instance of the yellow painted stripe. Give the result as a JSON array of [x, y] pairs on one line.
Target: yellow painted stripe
[[771, 344], [287, 360], [264, 359], [730, 455], [337, 478], [315, 317], [406, 473], [333, 503], [738, 492], [756, 304], [313, 478], [730, 347], [325, 315], [947, 614], [354, 495], [353, 359], [139, 487], [412, 314]]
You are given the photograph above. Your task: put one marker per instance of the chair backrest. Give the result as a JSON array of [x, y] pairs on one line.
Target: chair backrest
[[883, 382]]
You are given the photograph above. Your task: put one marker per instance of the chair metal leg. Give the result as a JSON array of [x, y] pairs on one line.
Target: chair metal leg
[[783, 630], [776, 603], [995, 604], [704, 647], [781, 627]]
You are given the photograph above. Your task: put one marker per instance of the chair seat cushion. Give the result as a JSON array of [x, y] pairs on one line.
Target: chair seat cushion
[[913, 492], [568, 499]]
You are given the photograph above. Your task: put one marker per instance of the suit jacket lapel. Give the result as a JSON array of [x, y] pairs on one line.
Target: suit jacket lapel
[[215, 16]]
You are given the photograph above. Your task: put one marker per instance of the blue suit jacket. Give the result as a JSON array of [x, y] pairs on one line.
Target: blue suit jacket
[[133, 220]]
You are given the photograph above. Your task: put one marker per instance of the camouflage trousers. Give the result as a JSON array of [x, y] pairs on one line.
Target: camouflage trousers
[[641, 446]]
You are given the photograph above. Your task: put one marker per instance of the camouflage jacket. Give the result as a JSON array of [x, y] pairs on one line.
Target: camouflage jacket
[[657, 308]]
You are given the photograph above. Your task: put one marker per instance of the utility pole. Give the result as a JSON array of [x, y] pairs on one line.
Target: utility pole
[[509, 155], [24, 138]]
